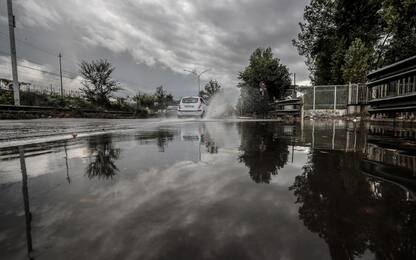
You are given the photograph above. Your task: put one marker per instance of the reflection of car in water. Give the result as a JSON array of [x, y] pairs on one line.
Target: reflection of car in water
[[192, 133], [192, 106]]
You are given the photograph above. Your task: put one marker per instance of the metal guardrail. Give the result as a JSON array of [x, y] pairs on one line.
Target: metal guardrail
[[39, 109]]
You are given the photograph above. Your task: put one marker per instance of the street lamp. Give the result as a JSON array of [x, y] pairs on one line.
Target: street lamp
[[198, 76]]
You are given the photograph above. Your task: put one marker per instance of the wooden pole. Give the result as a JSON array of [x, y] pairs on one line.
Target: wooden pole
[[12, 25]]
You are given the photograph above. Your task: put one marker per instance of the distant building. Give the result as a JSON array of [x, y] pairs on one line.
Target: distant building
[[7, 84], [392, 90]]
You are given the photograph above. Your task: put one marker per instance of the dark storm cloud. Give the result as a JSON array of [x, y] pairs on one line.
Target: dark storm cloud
[[151, 42]]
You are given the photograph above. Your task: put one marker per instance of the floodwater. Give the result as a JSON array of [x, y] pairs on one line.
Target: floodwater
[[226, 189]]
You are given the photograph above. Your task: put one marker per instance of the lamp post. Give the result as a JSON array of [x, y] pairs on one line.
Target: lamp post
[[198, 77]]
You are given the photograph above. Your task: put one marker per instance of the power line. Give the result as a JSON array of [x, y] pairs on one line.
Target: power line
[[44, 71], [68, 75], [71, 74], [35, 47], [29, 44]]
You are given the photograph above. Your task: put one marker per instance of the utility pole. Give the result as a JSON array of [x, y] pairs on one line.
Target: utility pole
[[294, 85], [198, 77], [12, 25], [60, 75]]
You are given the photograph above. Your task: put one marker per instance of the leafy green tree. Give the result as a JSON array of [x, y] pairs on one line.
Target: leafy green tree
[[169, 99], [263, 67], [316, 39], [329, 29], [252, 102], [210, 89], [357, 62], [399, 35], [144, 100], [98, 85], [160, 97]]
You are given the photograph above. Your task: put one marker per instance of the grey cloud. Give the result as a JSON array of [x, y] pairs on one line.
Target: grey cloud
[[151, 42]]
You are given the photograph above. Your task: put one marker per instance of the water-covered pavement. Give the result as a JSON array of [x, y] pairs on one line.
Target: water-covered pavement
[[227, 189]]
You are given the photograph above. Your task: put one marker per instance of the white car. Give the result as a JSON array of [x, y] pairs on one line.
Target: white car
[[192, 106]]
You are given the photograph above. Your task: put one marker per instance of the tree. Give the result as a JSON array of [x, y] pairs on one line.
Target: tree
[[400, 31], [144, 100], [160, 97], [98, 86], [385, 27], [210, 89], [169, 99], [263, 67], [329, 29], [251, 101], [316, 38], [357, 62]]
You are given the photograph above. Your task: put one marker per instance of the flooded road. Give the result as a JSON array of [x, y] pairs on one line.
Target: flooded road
[[207, 190]]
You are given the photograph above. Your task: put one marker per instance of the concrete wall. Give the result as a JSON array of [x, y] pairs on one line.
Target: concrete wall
[[325, 112]]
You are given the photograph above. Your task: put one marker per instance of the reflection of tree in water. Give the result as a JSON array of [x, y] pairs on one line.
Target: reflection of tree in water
[[210, 144], [343, 207], [162, 137], [103, 156], [262, 152]]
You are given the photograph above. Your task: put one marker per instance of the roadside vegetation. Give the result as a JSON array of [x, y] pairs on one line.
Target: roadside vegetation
[[210, 89], [98, 93], [264, 80], [342, 40]]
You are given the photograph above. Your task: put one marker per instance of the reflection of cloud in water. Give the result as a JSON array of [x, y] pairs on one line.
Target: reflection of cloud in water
[[289, 172], [189, 209], [224, 135]]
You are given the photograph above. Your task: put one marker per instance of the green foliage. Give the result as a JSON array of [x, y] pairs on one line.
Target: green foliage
[[399, 35], [144, 100], [357, 62], [160, 98], [35, 98], [210, 89], [263, 67], [331, 28], [6, 97], [251, 102], [98, 86], [317, 33]]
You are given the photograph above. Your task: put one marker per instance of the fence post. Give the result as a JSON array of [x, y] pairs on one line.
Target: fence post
[[356, 94], [349, 93]]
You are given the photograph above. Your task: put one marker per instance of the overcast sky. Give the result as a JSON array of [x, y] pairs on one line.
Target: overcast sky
[[151, 42]]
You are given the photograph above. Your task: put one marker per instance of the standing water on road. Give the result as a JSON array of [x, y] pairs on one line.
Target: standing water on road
[[209, 190]]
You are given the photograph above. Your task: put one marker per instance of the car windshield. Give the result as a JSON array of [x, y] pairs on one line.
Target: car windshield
[[190, 100]]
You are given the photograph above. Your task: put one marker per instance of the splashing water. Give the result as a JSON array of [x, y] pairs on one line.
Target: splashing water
[[223, 103]]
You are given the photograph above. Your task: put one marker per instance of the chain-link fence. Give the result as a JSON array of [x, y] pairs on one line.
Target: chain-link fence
[[333, 97]]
